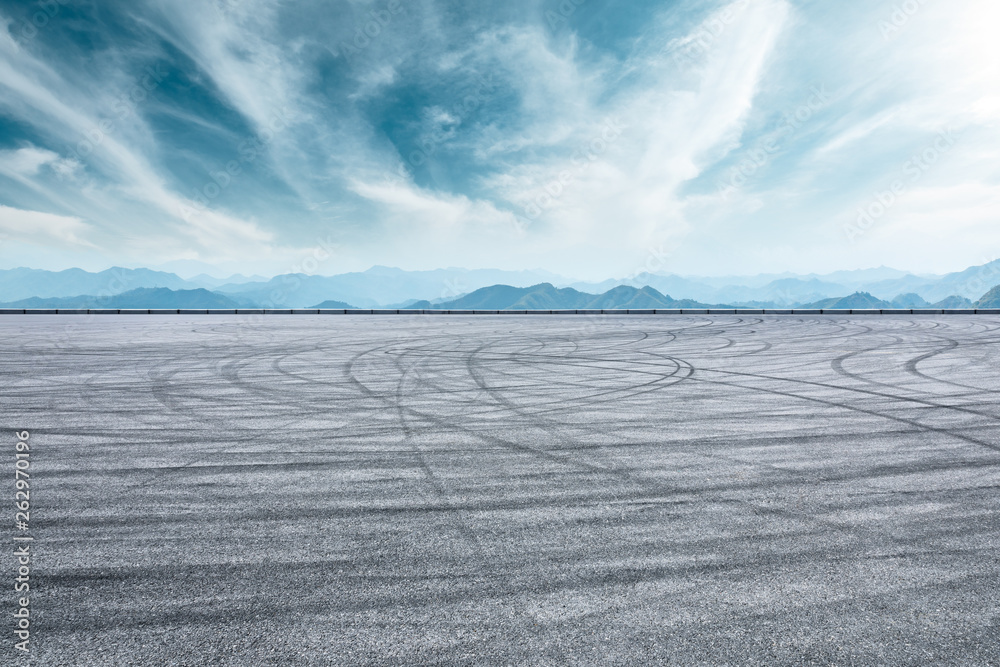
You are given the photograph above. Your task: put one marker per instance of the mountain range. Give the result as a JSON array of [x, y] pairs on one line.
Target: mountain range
[[991, 299], [862, 300], [385, 287], [544, 296], [142, 298]]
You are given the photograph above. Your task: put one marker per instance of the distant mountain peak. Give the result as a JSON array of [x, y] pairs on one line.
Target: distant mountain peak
[[383, 285], [141, 298], [991, 299]]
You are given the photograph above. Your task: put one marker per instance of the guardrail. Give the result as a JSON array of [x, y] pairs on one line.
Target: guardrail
[[657, 311]]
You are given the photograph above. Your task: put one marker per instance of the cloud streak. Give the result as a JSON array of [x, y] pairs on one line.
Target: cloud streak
[[528, 135], [46, 228]]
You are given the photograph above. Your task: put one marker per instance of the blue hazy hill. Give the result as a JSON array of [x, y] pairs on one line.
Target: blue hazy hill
[[23, 283], [991, 299], [954, 302], [545, 296], [864, 300], [856, 301], [333, 305], [142, 298], [383, 287]]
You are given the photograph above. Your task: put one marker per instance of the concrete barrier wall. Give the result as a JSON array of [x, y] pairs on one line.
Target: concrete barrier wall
[[658, 311]]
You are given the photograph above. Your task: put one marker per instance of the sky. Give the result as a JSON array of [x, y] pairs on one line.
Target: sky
[[588, 138]]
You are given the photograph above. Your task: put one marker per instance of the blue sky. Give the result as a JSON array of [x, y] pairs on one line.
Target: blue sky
[[588, 138]]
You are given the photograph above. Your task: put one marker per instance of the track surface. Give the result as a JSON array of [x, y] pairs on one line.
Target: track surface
[[541, 490]]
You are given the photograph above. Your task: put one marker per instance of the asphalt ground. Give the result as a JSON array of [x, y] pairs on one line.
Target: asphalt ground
[[297, 490]]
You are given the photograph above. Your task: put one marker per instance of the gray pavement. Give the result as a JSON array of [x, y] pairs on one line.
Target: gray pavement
[[300, 490]]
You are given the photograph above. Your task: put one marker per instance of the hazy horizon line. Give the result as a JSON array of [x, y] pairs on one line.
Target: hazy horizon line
[[222, 274]]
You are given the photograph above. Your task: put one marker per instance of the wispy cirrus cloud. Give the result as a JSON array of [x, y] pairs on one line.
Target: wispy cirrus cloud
[[515, 135], [45, 228]]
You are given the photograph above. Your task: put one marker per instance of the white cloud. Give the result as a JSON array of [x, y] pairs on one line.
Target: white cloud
[[609, 160], [373, 81], [28, 161], [58, 108], [411, 210], [615, 185], [232, 47], [43, 228], [944, 213], [685, 104]]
